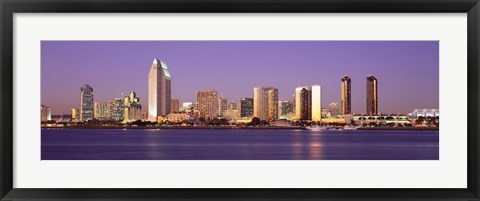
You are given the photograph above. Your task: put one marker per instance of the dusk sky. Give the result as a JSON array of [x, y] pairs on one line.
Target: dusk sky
[[407, 71]]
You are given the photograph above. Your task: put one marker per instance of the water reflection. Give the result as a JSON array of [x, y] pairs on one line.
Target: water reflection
[[188, 144]]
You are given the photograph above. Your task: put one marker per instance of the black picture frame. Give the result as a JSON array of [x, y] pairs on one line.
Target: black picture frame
[[10, 7]]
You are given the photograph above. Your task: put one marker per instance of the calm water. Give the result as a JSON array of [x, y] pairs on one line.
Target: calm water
[[213, 144]]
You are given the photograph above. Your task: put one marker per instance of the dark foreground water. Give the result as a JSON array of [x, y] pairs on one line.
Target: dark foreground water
[[214, 144]]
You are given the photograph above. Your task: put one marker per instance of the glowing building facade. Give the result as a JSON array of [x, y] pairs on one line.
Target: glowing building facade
[[86, 103], [316, 102], [101, 111], [222, 106], [265, 103], [207, 103], [346, 95], [132, 107], [372, 95], [75, 115], [334, 109], [116, 109], [303, 110], [46, 113], [246, 107], [159, 90]]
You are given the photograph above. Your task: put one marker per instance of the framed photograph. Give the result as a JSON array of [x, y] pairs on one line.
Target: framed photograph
[[238, 100]]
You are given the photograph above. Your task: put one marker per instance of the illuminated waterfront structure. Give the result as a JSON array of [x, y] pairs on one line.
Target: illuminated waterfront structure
[[346, 95], [303, 110], [45, 113], [159, 90], [222, 106], [334, 109], [132, 107], [175, 106], [265, 103], [101, 111], [425, 113], [372, 95], [246, 107], [316, 102], [207, 103], [86, 103]]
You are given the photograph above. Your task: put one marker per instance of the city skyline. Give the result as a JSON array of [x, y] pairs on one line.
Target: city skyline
[[425, 91]]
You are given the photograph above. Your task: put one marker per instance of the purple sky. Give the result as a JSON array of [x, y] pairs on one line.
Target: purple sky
[[407, 71]]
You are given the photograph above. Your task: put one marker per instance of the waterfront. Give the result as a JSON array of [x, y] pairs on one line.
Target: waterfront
[[238, 144]]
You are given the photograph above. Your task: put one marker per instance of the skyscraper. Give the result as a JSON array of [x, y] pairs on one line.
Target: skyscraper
[[116, 109], [303, 98], [222, 106], [334, 109], [175, 105], [207, 103], [133, 108], [75, 115], [265, 103], [316, 102], [346, 95], [101, 111], [372, 95], [46, 113], [159, 90], [284, 108], [246, 107], [86, 103]]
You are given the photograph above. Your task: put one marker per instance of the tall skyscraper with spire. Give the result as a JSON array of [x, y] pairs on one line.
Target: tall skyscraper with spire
[[346, 95], [372, 95], [159, 90]]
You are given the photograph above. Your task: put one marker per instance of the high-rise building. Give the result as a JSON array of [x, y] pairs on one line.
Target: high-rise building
[[86, 103], [232, 106], [75, 114], [303, 98], [334, 109], [46, 113], [246, 107], [265, 103], [284, 108], [316, 102], [372, 95], [101, 111], [222, 106], [116, 109], [159, 90], [175, 105], [346, 95], [207, 103], [132, 107]]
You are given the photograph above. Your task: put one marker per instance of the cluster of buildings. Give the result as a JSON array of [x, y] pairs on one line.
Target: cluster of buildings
[[265, 103]]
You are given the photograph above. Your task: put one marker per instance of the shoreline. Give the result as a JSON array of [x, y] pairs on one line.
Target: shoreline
[[227, 128], [401, 128], [180, 127]]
